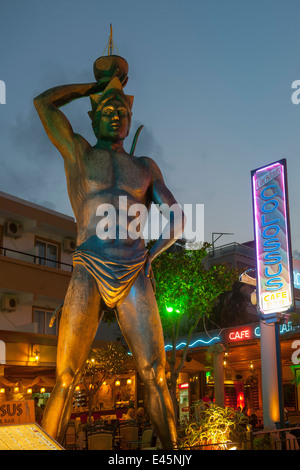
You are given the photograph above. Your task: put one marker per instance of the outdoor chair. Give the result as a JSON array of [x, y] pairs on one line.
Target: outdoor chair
[[146, 439], [70, 437], [157, 446], [100, 441], [129, 437]]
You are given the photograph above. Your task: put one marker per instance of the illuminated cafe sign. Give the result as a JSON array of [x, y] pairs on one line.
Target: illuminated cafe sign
[[275, 292], [250, 332], [231, 335]]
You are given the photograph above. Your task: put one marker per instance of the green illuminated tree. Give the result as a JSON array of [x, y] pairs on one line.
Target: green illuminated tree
[[110, 360], [186, 291]]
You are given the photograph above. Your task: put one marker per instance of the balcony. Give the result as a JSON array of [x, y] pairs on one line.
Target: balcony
[[232, 248], [20, 271]]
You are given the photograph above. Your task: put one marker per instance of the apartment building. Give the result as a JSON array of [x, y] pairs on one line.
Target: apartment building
[[36, 249]]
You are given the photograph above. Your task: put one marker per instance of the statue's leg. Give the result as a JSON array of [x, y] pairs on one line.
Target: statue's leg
[[140, 324], [78, 325]]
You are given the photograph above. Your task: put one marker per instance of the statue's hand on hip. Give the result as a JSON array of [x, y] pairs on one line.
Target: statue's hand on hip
[[148, 265]]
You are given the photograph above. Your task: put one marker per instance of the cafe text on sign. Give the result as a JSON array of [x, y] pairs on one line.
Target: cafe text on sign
[[239, 335]]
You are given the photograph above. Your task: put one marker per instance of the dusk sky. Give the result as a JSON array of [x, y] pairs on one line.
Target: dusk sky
[[212, 84]]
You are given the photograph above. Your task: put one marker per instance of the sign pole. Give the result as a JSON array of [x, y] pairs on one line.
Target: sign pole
[[279, 376], [269, 374]]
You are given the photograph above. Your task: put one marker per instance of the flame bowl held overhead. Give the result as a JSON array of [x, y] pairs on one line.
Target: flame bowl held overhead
[[107, 66]]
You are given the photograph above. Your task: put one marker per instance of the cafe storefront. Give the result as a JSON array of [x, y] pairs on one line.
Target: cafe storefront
[[241, 358]]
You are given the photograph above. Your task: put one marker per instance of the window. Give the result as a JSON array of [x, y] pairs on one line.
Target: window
[[42, 318], [47, 253]]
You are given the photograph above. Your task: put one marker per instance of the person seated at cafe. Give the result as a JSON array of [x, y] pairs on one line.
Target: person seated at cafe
[[253, 420], [130, 415], [207, 396]]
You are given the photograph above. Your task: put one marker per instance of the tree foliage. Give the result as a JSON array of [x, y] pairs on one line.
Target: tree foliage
[[186, 291], [112, 359], [234, 308]]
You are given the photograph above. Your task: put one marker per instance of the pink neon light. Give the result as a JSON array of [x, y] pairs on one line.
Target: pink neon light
[[238, 335], [258, 227], [286, 227]]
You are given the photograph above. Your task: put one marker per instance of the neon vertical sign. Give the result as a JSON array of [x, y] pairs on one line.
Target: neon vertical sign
[[272, 238]]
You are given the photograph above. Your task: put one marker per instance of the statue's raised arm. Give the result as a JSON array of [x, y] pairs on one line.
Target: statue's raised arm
[[56, 124]]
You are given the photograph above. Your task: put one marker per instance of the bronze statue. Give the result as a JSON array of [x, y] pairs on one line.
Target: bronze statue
[[111, 272]]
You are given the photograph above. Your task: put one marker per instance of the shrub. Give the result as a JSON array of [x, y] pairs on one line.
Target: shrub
[[214, 427]]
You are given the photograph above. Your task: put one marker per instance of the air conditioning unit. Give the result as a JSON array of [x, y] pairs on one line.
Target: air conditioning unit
[[9, 303], [13, 229], [69, 245]]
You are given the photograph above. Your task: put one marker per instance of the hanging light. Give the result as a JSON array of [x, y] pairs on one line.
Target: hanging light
[[2, 390], [129, 381], [29, 391], [117, 383], [16, 389], [42, 390], [34, 354]]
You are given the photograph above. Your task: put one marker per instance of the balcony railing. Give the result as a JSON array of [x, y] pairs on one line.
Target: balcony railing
[[22, 256], [232, 248]]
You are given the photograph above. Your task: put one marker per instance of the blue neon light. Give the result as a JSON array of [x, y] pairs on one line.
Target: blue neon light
[[192, 345], [283, 328]]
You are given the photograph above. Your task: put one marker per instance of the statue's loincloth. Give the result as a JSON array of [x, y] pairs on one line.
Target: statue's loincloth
[[114, 278]]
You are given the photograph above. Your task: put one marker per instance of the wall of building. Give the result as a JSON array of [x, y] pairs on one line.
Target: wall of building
[[23, 276]]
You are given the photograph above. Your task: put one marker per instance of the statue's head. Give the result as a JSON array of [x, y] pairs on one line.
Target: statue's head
[[111, 112]]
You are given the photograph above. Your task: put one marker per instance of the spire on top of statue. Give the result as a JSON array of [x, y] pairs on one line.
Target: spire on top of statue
[[111, 46], [110, 65]]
